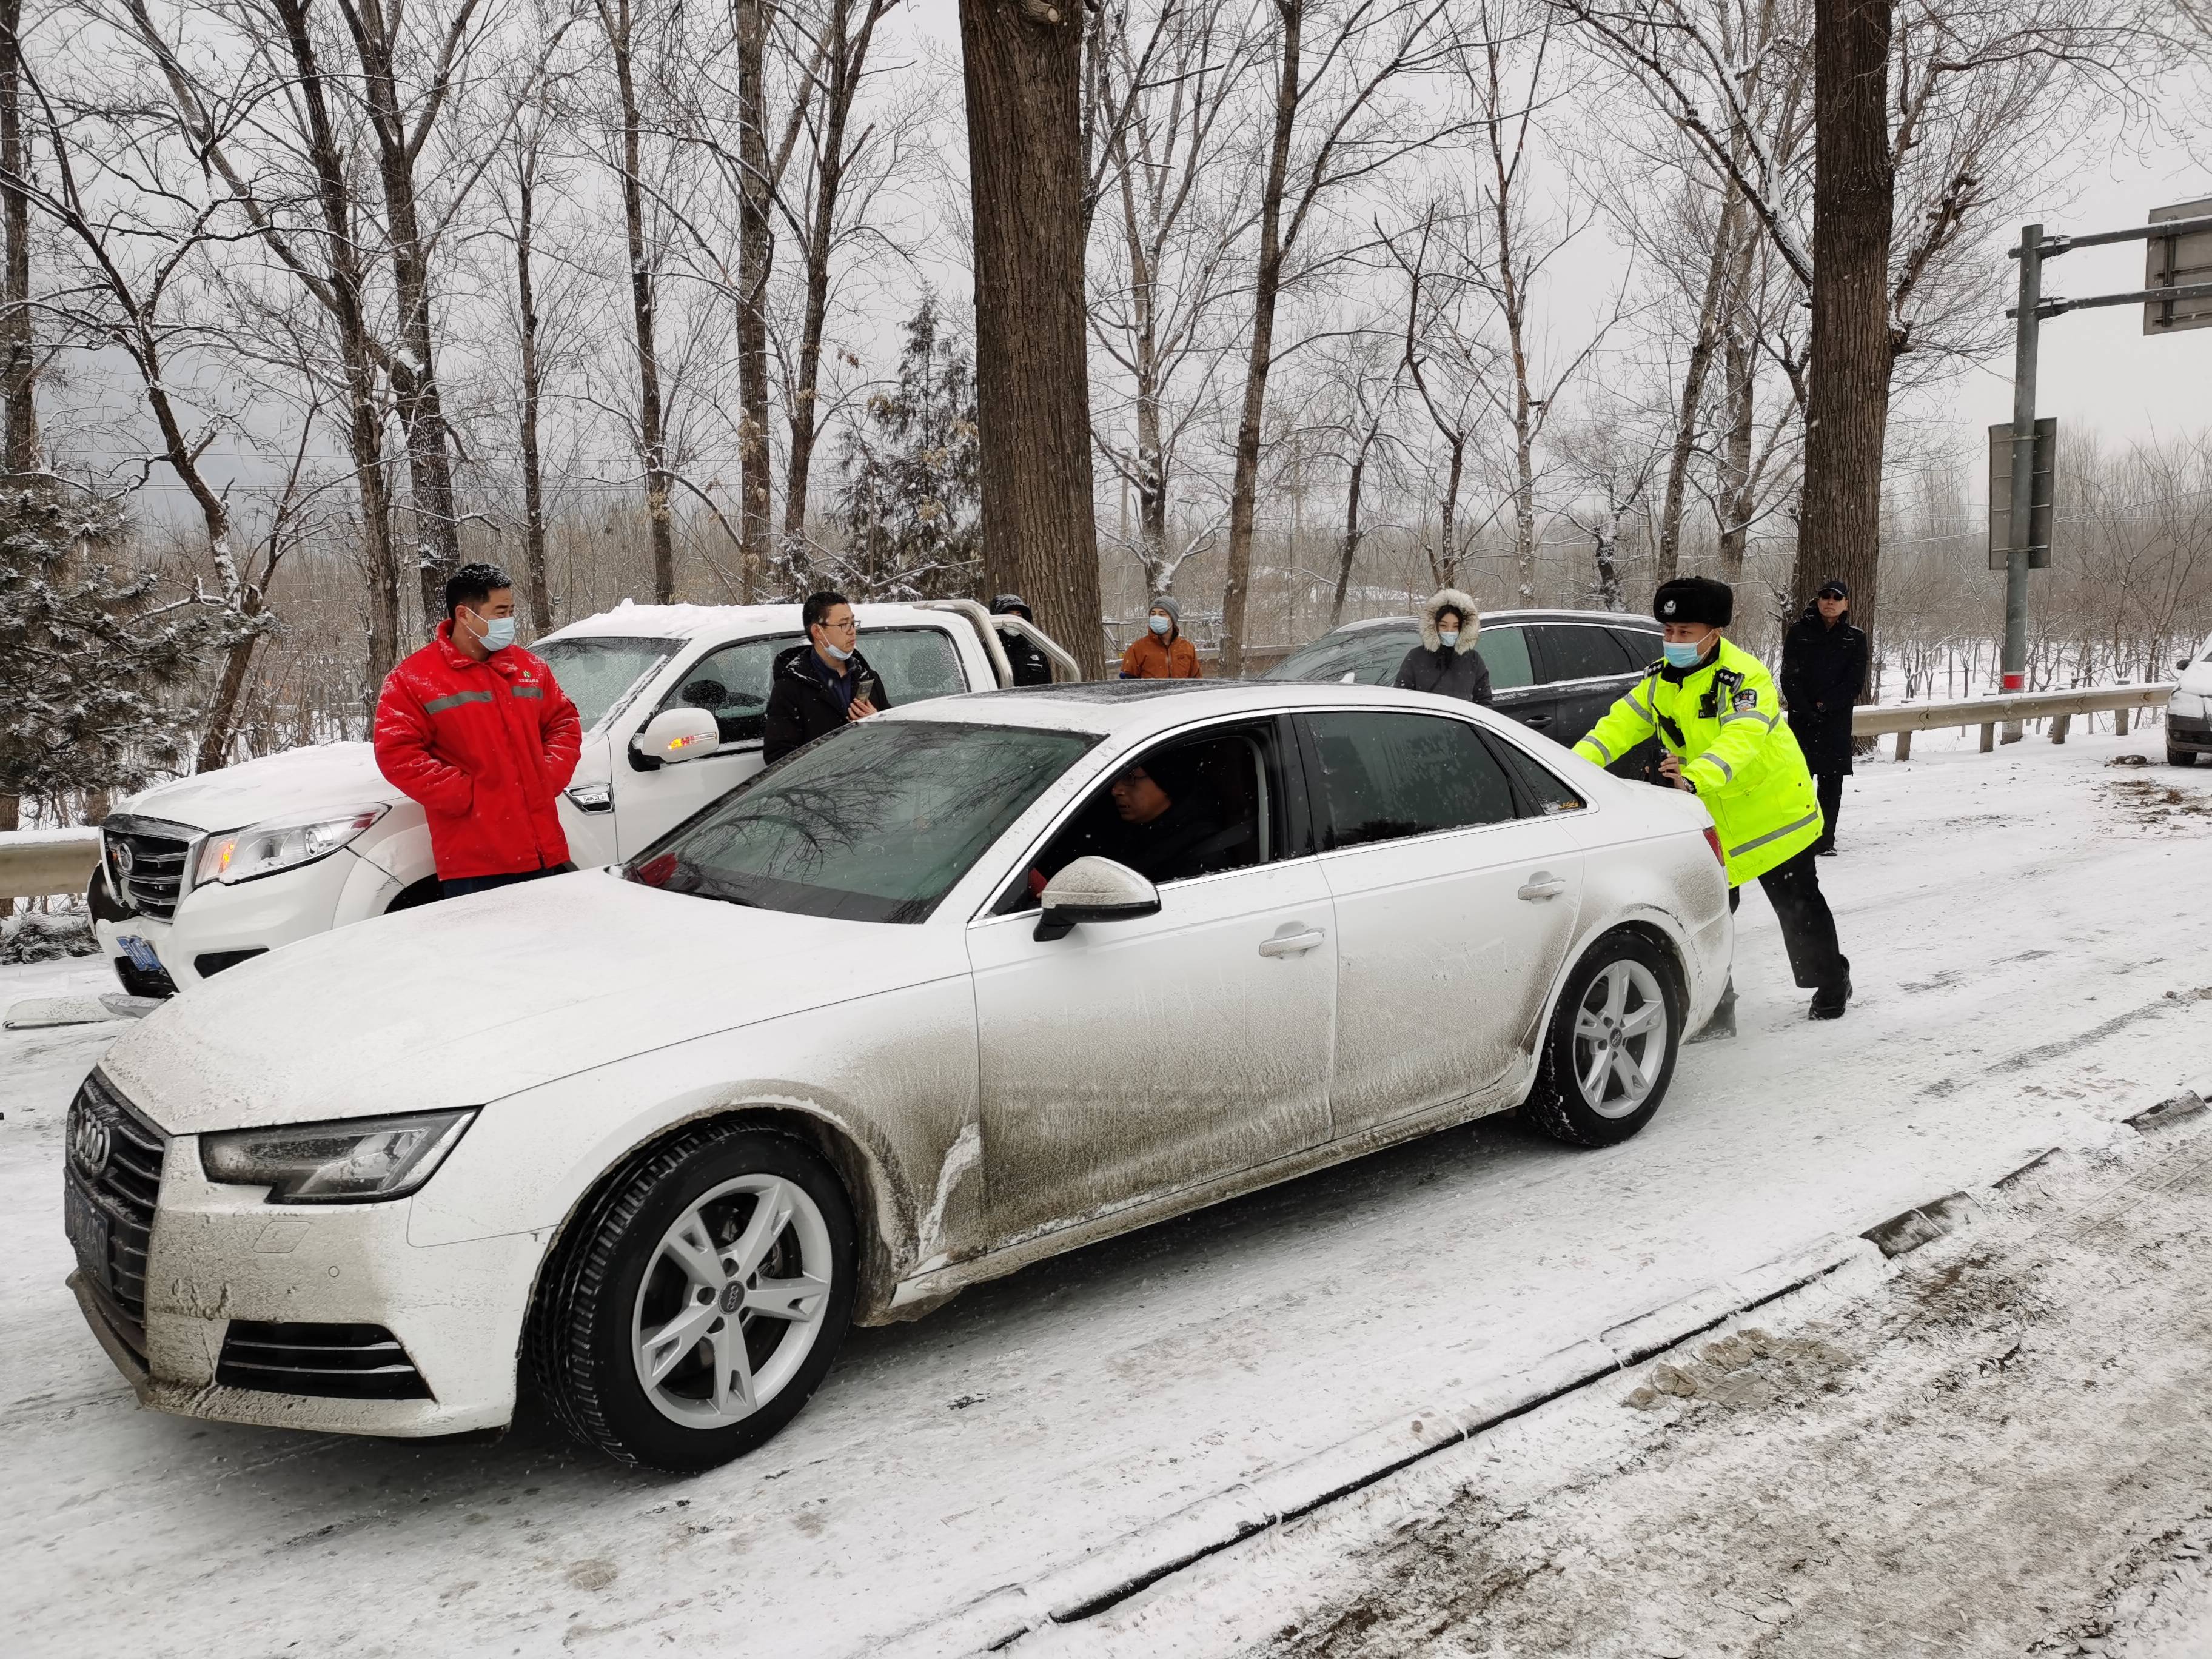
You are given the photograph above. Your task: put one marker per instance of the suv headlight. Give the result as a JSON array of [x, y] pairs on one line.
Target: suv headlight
[[262, 849], [365, 1160]]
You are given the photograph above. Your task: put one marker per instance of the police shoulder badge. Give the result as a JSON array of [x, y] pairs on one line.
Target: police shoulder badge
[[1745, 701]]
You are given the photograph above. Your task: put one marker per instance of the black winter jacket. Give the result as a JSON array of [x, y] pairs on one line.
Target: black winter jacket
[[801, 706], [1030, 664], [1824, 670], [1446, 672]]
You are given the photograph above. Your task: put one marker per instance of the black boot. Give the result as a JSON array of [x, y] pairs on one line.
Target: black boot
[[1828, 1001], [1723, 1023]]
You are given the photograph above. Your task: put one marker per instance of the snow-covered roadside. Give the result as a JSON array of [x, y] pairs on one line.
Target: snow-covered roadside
[[2016, 921], [2002, 1445]]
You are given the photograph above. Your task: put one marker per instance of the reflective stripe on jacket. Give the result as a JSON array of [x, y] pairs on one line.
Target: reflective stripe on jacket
[[486, 747], [1723, 721]]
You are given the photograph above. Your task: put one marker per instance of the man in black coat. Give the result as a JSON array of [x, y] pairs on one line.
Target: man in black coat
[[820, 686], [1028, 663], [1824, 672]]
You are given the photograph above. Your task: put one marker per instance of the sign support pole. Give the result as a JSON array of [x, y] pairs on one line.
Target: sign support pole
[[2023, 467]]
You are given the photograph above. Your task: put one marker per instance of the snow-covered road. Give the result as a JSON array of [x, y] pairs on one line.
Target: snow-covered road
[[2029, 933]]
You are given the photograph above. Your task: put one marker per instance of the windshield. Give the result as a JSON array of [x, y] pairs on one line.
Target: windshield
[[874, 823], [1370, 656], [599, 674]]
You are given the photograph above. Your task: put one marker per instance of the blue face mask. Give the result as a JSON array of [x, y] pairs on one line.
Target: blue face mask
[[841, 656], [1448, 636], [498, 633], [1684, 656], [1161, 624]]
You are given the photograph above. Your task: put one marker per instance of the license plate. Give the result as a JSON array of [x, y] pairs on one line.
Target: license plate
[[141, 954], [85, 1224]]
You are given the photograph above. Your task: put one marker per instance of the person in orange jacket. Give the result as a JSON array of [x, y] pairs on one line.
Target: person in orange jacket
[[1161, 653]]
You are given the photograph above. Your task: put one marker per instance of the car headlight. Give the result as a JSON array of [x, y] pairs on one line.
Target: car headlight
[[262, 849], [362, 1161]]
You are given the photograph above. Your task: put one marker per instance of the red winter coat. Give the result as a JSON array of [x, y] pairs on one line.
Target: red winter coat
[[487, 747]]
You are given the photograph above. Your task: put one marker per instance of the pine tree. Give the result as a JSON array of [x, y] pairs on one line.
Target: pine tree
[[95, 665], [911, 502]]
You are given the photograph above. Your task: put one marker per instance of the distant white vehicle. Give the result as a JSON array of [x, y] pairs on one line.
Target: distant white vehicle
[[951, 990], [2188, 711], [202, 873]]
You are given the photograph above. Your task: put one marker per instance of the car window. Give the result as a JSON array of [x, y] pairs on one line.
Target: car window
[[1370, 655], [731, 684], [1213, 804], [599, 674], [1386, 776], [916, 664], [1506, 651], [1642, 645], [1546, 791], [1574, 651], [873, 823]]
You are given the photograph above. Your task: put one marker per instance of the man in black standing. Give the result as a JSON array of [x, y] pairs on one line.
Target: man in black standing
[[1028, 663], [1824, 671], [820, 686]]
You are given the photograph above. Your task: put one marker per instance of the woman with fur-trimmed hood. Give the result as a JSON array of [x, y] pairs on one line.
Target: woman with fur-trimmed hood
[[1445, 663]]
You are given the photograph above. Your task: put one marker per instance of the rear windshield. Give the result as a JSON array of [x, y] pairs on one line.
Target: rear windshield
[[1370, 656], [875, 822], [600, 674]]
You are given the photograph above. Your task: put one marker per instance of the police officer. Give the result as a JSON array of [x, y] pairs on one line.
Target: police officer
[[1023, 656], [1714, 708]]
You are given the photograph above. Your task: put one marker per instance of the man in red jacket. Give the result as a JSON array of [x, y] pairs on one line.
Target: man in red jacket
[[475, 728]]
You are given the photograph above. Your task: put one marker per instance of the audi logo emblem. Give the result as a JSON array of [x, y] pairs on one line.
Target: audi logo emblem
[[90, 1143]]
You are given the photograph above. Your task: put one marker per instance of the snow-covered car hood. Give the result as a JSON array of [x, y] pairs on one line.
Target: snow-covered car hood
[[2196, 680], [462, 1002], [336, 775]]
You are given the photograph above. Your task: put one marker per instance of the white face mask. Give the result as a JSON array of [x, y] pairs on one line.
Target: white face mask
[[1448, 636], [498, 633], [841, 656], [1161, 624]]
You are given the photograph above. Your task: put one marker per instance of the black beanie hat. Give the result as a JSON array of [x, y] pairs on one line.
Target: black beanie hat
[[1694, 599], [1833, 588]]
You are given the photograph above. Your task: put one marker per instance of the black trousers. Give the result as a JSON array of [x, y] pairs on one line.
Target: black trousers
[[1830, 785], [462, 886], [1808, 926]]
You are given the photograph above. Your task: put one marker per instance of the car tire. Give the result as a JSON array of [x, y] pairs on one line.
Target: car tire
[[1619, 981], [700, 1264], [2180, 757]]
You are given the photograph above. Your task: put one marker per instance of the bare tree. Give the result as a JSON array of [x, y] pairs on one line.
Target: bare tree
[[1023, 75], [19, 444]]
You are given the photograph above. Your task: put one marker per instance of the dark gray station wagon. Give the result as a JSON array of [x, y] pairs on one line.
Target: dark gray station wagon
[[1555, 671]]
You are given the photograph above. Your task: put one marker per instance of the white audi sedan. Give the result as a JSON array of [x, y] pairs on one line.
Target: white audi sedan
[[955, 988]]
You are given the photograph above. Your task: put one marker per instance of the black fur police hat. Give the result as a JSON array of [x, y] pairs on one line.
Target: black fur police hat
[[1694, 599]]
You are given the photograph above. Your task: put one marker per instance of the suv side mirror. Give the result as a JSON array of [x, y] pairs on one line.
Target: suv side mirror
[[1093, 890], [675, 735], [2182, 665]]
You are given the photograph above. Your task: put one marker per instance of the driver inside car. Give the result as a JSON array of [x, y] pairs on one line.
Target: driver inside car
[[1168, 818]]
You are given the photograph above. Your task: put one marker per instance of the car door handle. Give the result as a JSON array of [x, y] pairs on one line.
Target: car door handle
[[1534, 719], [1292, 944], [1542, 885]]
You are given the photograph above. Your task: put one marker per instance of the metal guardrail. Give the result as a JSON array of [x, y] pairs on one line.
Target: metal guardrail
[[1989, 713], [35, 863]]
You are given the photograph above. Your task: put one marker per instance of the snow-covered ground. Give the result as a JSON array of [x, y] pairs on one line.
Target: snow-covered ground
[[2028, 931]]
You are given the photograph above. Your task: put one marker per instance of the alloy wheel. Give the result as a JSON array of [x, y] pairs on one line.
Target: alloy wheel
[[1620, 1038]]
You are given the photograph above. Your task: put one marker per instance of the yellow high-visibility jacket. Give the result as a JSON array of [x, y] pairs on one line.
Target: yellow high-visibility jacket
[[1723, 720]]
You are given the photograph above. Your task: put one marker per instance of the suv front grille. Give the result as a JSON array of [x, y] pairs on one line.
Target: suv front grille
[[114, 1161], [147, 862], [339, 1362]]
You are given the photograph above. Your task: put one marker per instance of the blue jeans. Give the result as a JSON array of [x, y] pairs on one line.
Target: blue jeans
[[462, 887]]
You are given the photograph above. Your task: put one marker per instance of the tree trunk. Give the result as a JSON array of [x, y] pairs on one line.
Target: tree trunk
[[1348, 547], [1267, 291], [1740, 396], [1022, 66], [651, 444], [1694, 373], [413, 369], [1445, 564], [533, 486], [18, 364], [1854, 196], [755, 255], [1608, 537]]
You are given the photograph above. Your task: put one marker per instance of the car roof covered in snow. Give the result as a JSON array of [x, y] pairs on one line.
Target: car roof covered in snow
[[684, 622], [1610, 618], [1138, 707]]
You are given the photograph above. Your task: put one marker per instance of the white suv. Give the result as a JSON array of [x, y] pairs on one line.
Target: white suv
[[203, 873], [2188, 711]]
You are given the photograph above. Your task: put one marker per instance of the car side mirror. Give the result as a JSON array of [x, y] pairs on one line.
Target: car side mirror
[[675, 735], [2182, 665], [1093, 890]]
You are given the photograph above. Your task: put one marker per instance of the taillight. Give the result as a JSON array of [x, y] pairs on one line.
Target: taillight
[[1713, 840]]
